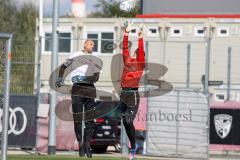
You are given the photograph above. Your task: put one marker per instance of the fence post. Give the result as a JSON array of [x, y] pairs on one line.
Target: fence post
[[207, 66], [8, 56], [206, 92], [229, 73], [146, 90], [188, 65], [52, 115]]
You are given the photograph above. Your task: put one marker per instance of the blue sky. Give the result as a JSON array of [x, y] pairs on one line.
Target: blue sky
[[65, 5]]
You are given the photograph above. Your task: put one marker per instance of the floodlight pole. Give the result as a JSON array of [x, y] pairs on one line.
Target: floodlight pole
[[52, 118]]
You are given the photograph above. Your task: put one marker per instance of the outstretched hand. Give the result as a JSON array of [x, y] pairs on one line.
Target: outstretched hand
[[128, 26], [140, 32], [59, 82]]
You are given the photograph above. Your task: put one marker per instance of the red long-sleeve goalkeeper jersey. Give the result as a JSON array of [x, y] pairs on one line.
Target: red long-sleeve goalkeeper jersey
[[133, 67]]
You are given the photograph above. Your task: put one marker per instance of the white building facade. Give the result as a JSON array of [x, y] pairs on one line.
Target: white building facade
[[179, 43]]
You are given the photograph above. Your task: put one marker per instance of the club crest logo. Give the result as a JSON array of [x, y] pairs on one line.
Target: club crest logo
[[223, 124]]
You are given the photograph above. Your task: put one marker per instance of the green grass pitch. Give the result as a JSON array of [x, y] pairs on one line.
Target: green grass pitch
[[35, 157]]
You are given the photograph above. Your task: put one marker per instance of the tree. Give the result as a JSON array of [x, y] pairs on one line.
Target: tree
[[7, 24], [21, 22], [110, 8], [26, 21], [8, 18], [22, 77]]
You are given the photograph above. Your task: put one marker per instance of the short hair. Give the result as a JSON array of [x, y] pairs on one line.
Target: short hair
[[88, 41]]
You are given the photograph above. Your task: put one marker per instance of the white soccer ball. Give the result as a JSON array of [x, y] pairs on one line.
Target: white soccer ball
[[126, 6]]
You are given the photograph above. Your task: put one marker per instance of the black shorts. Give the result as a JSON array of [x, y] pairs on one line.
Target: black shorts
[[129, 102]]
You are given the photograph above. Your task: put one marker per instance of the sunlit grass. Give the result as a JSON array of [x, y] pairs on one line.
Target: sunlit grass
[[35, 157]]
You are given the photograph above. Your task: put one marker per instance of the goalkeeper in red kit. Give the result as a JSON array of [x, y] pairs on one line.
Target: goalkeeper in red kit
[[132, 72]]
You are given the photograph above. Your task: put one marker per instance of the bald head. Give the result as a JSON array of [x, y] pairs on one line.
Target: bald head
[[88, 46]]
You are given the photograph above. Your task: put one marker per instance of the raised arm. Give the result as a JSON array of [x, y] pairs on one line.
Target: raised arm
[[125, 46], [140, 54], [128, 28]]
